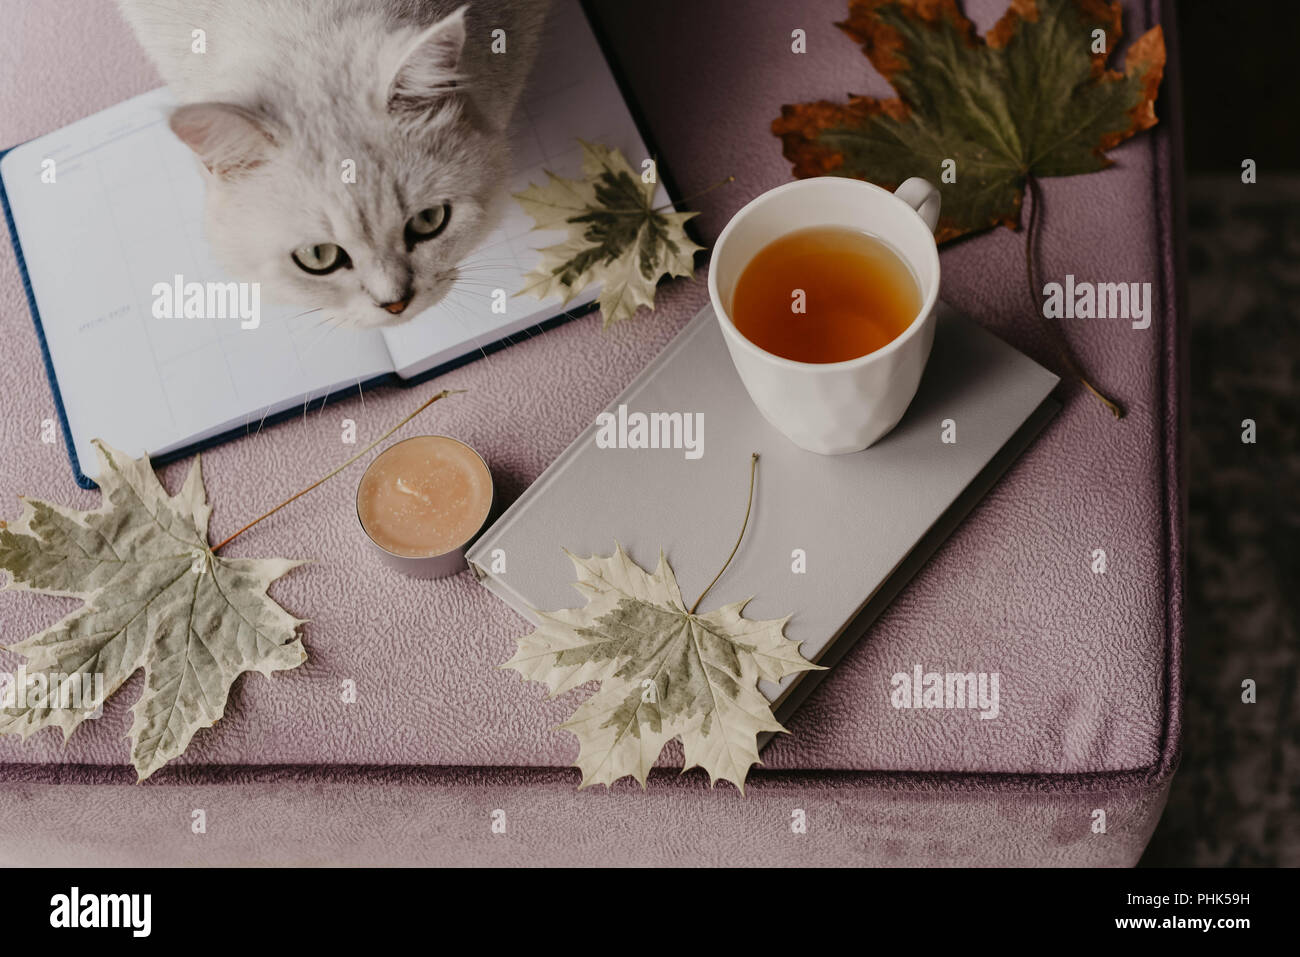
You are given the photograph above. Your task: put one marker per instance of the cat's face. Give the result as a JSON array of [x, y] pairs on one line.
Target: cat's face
[[361, 205]]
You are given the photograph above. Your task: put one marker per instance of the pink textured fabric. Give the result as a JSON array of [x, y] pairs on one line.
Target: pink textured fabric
[[1088, 662], [445, 817]]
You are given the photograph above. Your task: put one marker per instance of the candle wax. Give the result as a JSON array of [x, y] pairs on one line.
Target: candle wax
[[424, 496]]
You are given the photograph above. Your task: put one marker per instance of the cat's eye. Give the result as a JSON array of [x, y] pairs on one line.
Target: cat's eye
[[321, 258], [427, 223]]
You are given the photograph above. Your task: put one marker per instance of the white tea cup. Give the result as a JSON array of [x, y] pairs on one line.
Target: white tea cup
[[833, 407]]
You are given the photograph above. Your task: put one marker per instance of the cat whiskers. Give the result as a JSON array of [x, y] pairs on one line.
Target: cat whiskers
[[454, 309], [479, 265], [306, 312], [331, 323], [463, 286], [308, 328], [328, 324]]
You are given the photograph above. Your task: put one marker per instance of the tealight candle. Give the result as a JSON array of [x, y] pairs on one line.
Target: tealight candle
[[422, 501]]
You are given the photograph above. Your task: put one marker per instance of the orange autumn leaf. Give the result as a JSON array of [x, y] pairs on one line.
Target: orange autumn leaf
[[1034, 97]]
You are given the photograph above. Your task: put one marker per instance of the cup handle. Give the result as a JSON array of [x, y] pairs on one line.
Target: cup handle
[[922, 196]]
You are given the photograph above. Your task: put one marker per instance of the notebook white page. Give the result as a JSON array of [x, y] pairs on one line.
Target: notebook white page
[[126, 211]]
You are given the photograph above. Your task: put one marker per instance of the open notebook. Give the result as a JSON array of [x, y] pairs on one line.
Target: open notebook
[[864, 523], [126, 211]]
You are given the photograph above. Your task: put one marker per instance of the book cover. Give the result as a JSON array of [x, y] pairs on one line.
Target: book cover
[[832, 568]]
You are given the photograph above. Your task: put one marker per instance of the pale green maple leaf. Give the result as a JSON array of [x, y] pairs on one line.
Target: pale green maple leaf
[[156, 597], [616, 235], [663, 671]]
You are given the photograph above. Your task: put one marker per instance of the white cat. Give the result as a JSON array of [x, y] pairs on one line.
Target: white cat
[[281, 98]]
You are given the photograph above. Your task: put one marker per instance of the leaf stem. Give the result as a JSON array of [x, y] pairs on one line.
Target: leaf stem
[[753, 470], [671, 204], [440, 395], [1062, 345], [694, 196]]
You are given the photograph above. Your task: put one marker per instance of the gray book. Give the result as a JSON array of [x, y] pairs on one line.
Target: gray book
[[864, 523]]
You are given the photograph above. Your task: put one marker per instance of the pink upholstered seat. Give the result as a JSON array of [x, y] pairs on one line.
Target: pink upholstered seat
[[1089, 663]]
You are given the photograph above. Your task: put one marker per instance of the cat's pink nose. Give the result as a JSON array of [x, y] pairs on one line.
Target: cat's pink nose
[[396, 307]]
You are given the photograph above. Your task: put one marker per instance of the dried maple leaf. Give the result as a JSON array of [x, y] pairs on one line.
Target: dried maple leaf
[[1030, 99], [664, 672], [617, 236], [156, 597]]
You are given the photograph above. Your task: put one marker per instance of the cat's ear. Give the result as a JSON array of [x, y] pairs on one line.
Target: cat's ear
[[228, 139], [428, 69]]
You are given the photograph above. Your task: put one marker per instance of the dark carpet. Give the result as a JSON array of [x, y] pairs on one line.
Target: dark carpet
[[1236, 797]]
